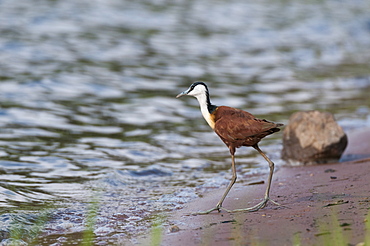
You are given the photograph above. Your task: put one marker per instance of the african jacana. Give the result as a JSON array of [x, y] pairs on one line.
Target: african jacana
[[236, 128]]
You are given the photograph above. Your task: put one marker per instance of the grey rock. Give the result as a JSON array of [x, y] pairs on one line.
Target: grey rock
[[313, 137]]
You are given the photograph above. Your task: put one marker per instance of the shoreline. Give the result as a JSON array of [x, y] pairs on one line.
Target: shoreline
[[318, 200]]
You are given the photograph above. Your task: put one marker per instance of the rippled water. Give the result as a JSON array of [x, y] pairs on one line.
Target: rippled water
[[88, 111]]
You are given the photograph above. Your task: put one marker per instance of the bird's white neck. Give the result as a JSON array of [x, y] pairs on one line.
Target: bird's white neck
[[205, 104]]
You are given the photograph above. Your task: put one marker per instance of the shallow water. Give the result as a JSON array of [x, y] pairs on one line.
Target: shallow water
[[89, 115]]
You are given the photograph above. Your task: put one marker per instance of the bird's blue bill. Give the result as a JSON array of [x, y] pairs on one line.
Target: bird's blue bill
[[182, 94]]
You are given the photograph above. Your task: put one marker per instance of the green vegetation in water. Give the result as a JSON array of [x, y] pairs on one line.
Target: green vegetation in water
[[157, 230], [367, 230], [21, 232], [332, 234], [91, 216]]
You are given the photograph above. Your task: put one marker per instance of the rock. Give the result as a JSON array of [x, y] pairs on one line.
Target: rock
[[313, 137], [174, 228]]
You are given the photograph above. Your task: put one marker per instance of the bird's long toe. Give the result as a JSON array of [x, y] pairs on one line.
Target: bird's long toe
[[257, 207], [207, 211], [218, 208]]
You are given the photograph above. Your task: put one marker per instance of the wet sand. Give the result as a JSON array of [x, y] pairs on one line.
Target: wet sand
[[317, 201]]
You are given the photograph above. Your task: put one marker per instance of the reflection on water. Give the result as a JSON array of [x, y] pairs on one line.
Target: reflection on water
[[88, 109]]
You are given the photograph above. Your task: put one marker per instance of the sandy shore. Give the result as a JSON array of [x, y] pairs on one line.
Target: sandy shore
[[318, 202]]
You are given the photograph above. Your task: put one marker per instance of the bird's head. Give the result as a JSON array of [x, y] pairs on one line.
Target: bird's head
[[196, 89]]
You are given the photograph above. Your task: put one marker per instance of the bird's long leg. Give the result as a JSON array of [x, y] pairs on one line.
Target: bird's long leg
[[267, 193], [232, 182]]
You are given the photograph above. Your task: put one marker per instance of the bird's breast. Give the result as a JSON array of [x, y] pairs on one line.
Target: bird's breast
[[210, 118]]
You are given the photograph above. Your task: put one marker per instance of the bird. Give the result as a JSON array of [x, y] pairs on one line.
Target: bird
[[236, 128]]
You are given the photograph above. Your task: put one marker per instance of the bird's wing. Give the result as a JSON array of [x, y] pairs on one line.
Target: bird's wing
[[234, 124]]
